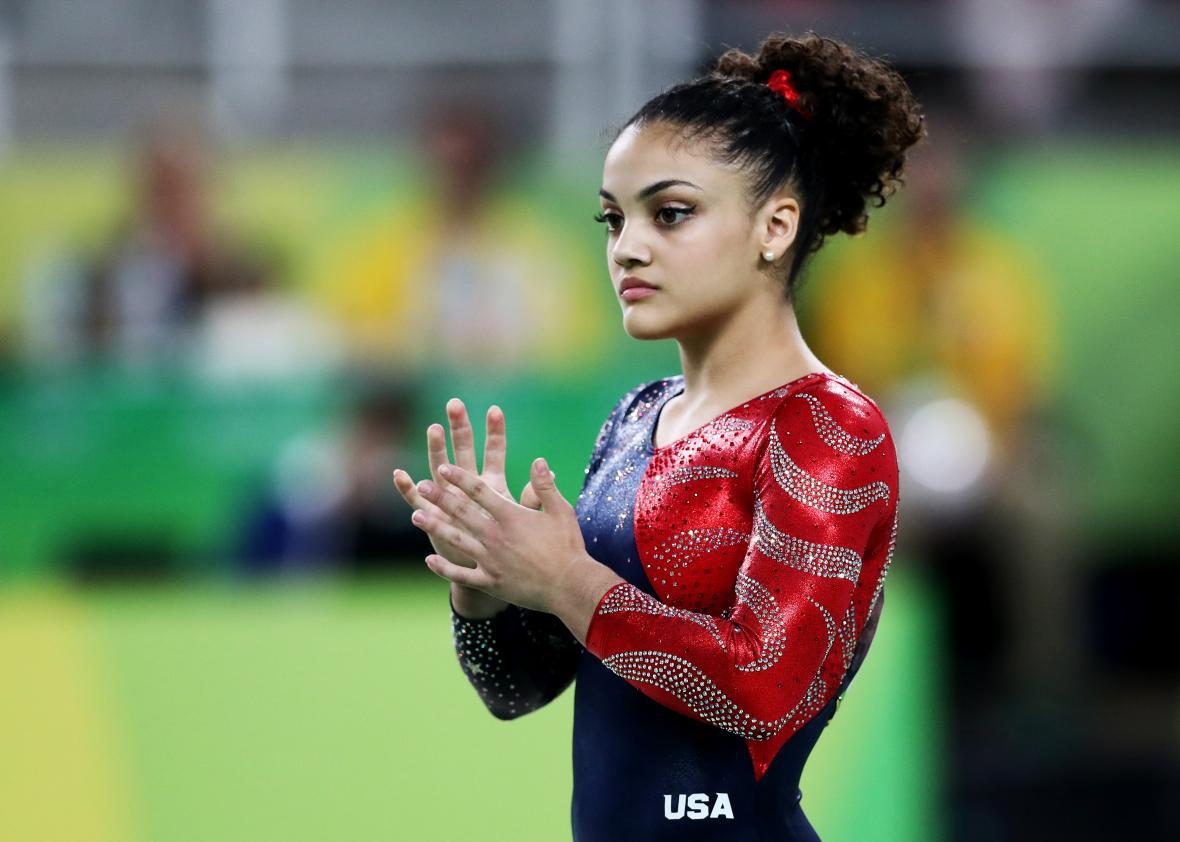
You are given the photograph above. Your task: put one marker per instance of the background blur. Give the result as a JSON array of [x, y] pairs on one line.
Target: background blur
[[249, 249]]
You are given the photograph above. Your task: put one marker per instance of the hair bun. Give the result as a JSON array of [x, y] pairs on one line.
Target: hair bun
[[864, 119]]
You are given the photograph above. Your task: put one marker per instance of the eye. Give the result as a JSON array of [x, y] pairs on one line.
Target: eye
[[670, 215], [613, 220]]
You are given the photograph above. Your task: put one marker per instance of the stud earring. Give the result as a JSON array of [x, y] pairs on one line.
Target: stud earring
[[768, 256]]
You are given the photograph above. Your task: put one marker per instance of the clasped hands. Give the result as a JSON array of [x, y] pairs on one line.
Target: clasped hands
[[523, 553]]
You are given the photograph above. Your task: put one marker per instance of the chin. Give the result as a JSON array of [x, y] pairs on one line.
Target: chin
[[640, 325]]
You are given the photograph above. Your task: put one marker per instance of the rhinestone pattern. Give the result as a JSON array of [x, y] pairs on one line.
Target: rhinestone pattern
[[773, 626], [811, 491], [885, 566], [688, 683], [627, 597], [757, 542], [833, 434], [683, 549], [689, 473], [517, 660], [847, 634], [809, 556]]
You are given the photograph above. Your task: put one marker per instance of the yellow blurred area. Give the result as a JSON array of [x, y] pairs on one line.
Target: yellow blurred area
[[62, 777]]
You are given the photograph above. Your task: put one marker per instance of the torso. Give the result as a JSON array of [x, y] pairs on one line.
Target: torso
[[633, 757]]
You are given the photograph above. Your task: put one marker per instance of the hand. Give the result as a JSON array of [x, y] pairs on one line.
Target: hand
[[520, 555], [463, 444]]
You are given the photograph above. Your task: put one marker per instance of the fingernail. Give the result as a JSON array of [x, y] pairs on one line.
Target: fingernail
[[445, 470], [426, 486]]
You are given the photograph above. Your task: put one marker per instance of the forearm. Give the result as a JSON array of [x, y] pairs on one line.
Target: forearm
[[517, 660], [585, 583]]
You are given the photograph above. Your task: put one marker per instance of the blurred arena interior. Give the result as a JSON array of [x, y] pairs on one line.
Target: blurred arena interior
[[249, 249]]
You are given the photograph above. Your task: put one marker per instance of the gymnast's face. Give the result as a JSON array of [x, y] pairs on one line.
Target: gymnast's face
[[681, 221]]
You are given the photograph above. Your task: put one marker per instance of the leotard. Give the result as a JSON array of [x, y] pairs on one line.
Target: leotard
[[755, 551]]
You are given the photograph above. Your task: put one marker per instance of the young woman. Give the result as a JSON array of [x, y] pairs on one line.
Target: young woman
[[719, 581]]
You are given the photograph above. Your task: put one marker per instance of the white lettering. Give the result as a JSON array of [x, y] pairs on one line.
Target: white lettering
[[696, 806]]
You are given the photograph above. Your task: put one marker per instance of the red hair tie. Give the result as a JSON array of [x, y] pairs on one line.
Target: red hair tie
[[780, 81]]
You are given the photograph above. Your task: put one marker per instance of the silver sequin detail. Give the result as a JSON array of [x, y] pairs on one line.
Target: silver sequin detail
[[813, 697], [763, 606], [689, 473], [624, 598], [688, 683], [729, 424], [885, 567], [485, 665], [826, 560], [836, 436], [697, 691], [847, 634], [812, 492], [683, 548], [642, 407]]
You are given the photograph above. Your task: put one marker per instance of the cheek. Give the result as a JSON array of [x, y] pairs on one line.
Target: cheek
[[709, 251]]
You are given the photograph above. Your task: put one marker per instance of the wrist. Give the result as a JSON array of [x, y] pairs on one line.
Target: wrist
[[474, 604], [583, 584]]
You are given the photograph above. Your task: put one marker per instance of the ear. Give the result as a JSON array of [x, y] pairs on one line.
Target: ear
[[779, 224]]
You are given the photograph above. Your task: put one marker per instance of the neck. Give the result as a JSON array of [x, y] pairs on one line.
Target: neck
[[755, 350]]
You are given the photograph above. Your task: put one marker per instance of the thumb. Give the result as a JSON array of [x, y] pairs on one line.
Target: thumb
[[529, 498], [545, 487]]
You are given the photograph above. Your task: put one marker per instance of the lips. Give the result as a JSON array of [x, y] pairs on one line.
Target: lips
[[631, 282]]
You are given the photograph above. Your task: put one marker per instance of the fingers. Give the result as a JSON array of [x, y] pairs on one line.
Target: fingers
[[495, 445], [462, 435], [544, 485], [436, 451], [478, 490], [472, 578], [462, 512], [409, 491], [458, 538]]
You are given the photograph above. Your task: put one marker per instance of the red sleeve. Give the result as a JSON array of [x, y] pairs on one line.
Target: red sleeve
[[820, 538]]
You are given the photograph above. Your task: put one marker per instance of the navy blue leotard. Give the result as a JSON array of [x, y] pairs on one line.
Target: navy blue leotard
[[754, 550]]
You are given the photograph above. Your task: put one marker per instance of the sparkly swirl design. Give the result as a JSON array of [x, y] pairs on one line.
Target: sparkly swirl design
[[833, 434], [847, 634], [683, 548], [691, 473], [825, 560], [819, 495], [700, 694], [630, 598], [762, 604], [697, 691], [885, 566]]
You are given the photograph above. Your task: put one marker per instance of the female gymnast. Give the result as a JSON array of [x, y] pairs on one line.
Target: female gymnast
[[719, 581]]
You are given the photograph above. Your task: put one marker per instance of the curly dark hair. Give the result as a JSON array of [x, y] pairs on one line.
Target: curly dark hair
[[850, 152]]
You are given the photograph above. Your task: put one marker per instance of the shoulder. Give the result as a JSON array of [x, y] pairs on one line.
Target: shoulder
[[632, 406], [636, 401], [834, 411]]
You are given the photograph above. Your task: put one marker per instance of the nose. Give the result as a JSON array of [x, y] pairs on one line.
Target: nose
[[629, 248]]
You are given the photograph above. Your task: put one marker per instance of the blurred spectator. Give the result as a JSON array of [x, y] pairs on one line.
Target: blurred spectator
[[171, 286], [328, 502], [461, 272]]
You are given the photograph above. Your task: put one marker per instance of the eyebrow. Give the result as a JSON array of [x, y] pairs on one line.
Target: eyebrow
[[652, 189]]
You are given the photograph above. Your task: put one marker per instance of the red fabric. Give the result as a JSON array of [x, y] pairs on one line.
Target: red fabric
[[757, 617]]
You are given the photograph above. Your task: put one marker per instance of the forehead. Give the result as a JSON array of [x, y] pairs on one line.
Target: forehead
[[642, 156]]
